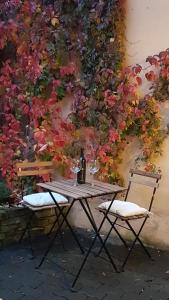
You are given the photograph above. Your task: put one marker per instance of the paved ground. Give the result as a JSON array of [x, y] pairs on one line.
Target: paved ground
[[143, 279]]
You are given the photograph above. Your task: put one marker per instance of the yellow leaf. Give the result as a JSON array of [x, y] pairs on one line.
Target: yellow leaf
[[38, 9], [55, 21]]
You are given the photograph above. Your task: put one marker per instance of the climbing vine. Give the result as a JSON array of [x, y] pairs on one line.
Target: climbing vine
[[107, 99], [159, 75], [72, 49], [32, 84]]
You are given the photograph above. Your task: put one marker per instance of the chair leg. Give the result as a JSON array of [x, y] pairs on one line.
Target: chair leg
[[53, 226], [134, 242], [137, 237], [56, 233], [27, 226], [30, 241], [55, 222], [28, 230], [105, 240], [60, 232], [112, 224]]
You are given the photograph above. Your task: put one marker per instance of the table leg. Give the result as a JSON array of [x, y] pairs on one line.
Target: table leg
[[66, 221], [55, 235], [97, 231], [90, 212]]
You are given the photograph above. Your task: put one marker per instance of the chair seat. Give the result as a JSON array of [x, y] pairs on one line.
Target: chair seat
[[124, 209], [43, 200]]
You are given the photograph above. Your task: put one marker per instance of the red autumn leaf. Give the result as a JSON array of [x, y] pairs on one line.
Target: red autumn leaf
[[139, 80], [111, 100], [40, 136], [57, 157], [60, 143], [153, 61], [166, 60], [52, 101], [21, 97], [113, 135], [150, 76], [163, 54], [25, 109], [128, 89], [45, 177], [58, 109], [67, 70], [56, 83], [122, 125], [102, 155], [7, 107], [137, 69], [138, 112], [165, 72]]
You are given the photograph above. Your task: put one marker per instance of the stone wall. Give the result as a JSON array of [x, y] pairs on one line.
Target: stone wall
[[13, 221]]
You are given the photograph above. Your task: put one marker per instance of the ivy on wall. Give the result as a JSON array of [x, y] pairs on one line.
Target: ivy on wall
[[159, 75], [95, 31], [75, 48], [107, 99]]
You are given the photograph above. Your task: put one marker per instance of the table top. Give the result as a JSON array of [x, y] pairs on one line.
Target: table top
[[66, 188]]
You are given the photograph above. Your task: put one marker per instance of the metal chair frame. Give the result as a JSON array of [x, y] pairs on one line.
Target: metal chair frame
[[114, 224], [39, 168]]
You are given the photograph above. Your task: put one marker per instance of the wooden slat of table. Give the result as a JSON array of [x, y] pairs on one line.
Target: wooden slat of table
[[93, 191], [66, 188], [99, 184], [100, 188], [59, 190], [113, 187], [69, 188], [85, 191]]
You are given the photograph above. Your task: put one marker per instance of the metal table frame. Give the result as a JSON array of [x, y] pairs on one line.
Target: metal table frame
[[82, 194]]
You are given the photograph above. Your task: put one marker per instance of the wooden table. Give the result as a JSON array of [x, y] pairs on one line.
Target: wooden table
[[67, 189], [82, 193]]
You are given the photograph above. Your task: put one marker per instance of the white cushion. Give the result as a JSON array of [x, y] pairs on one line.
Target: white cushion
[[124, 208], [43, 199]]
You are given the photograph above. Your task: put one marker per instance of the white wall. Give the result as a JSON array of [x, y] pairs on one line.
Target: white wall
[[147, 28], [146, 34]]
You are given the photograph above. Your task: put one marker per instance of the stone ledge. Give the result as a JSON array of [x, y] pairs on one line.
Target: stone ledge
[[13, 220]]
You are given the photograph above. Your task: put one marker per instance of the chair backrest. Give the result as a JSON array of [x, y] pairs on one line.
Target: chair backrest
[[36, 168], [144, 178]]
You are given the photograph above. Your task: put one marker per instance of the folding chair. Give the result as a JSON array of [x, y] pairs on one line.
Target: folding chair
[[126, 211], [42, 200]]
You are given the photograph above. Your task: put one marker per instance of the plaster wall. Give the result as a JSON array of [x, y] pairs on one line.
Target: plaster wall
[[147, 24], [147, 34]]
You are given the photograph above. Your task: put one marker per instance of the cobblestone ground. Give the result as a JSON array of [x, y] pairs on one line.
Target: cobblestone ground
[[143, 279]]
